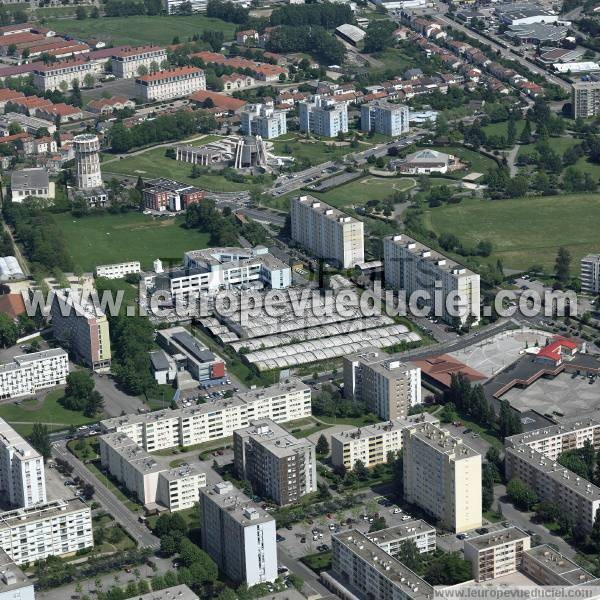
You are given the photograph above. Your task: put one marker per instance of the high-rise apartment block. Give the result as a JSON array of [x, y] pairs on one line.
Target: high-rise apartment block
[[372, 444], [590, 274], [170, 84], [214, 420], [453, 289], [327, 232], [55, 528], [28, 373], [87, 160], [419, 532], [368, 571], [585, 99], [22, 477], [131, 62], [389, 387], [323, 116], [83, 327], [443, 476], [154, 484], [496, 554], [384, 117], [238, 535], [278, 465], [263, 120]]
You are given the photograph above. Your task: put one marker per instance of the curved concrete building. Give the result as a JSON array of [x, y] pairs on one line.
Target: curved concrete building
[[87, 157]]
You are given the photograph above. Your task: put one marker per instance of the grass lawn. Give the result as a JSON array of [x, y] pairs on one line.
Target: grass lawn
[[524, 231], [140, 30], [502, 128], [22, 416], [360, 191], [302, 428], [154, 163], [318, 562], [394, 58], [101, 239], [313, 151], [475, 161]]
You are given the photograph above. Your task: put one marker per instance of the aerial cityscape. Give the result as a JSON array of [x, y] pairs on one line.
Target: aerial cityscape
[[299, 299]]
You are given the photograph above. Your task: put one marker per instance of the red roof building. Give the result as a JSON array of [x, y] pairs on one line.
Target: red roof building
[[558, 349], [219, 100]]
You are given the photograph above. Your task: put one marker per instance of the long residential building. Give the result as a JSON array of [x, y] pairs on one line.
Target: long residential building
[[421, 533], [327, 232], [585, 99], [323, 116], [372, 444], [22, 478], [590, 274], [28, 373], [56, 528], [385, 118], [413, 267], [277, 465], [496, 554], [442, 475], [170, 84], [119, 270], [388, 387], [154, 485], [61, 75], [364, 570], [238, 535], [260, 119], [131, 62], [214, 420], [83, 327], [546, 566]]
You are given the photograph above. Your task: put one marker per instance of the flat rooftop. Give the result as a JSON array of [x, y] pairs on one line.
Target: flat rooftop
[[29, 179], [441, 261], [496, 538], [9, 438], [399, 574], [54, 508], [443, 441], [178, 592], [11, 576], [326, 210], [562, 566], [237, 504], [550, 432], [273, 437], [400, 532], [23, 360]]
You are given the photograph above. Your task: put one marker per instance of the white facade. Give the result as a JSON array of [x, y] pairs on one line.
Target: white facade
[[87, 159], [167, 85], [262, 120], [172, 7], [372, 444], [127, 62], [118, 270], [28, 373], [213, 420], [61, 75], [31, 182], [327, 233], [21, 469], [323, 116], [414, 267], [421, 533], [239, 536], [55, 528], [152, 483], [590, 274], [385, 118]]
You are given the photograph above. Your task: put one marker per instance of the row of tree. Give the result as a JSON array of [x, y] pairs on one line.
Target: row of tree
[[307, 38]]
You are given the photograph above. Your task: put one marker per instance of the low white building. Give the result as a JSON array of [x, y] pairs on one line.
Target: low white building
[[56, 528], [28, 373], [424, 162], [118, 270], [128, 62], [14, 584], [61, 75], [170, 84], [31, 183]]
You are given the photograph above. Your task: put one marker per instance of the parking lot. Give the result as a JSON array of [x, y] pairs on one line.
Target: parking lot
[[208, 391]]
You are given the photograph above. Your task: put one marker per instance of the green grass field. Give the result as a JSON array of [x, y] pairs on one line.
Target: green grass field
[[502, 128], [475, 161], [102, 239], [524, 231], [154, 163], [22, 416], [315, 152], [139, 30], [360, 191]]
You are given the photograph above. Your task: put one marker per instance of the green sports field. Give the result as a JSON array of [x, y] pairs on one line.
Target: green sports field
[[360, 191], [100, 239], [524, 231], [138, 30]]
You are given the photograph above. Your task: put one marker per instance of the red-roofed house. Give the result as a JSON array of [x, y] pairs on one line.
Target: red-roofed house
[[557, 350], [7, 94], [237, 81], [106, 106], [248, 36], [66, 112], [218, 100]]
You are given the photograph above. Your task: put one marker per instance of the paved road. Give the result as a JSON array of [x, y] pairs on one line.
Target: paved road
[[311, 580], [111, 503]]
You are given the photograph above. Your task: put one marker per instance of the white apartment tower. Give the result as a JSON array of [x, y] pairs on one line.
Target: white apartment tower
[[327, 232], [323, 116], [384, 117], [590, 274], [443, 476], [22, 477], [585, 99], [238, 535], [453, 289], [389, 387], [263, 120], [87, 159]]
